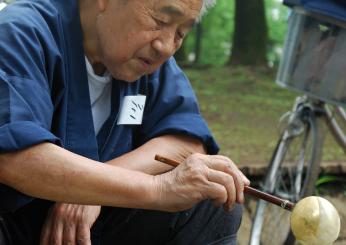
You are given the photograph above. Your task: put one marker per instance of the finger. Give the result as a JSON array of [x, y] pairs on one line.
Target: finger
[[56, 223], [214, 190], [228, 183], [83, 235], [224, 164], [239, 178], [217, 193], [238, 181], [247, 182], [56, 232], [69, 233], [45, 232]]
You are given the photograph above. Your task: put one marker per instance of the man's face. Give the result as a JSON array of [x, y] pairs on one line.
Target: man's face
[[136, 36]]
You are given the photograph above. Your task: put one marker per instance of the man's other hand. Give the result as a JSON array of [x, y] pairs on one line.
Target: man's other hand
[[202, 177], [69, 224]]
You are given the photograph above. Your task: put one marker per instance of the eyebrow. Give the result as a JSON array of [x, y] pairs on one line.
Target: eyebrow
[[172, 10]]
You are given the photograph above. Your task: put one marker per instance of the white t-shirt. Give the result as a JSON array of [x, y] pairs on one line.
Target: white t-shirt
[[100, 88], [2, 5]]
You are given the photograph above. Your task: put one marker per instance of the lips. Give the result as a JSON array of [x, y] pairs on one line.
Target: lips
[[147, 61], [146, 64]]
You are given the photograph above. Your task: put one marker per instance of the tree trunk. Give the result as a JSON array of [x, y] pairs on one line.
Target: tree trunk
[[250, 33], [198, 43]]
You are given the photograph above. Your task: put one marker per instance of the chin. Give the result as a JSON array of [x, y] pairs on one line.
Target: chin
[[129, 78]]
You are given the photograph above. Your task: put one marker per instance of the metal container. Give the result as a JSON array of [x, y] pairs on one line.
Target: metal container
[[314, 57]]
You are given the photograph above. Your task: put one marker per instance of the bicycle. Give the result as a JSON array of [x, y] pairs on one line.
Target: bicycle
[[295, 164]]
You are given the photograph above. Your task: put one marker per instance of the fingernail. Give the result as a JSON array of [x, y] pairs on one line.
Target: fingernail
[[247, 181]]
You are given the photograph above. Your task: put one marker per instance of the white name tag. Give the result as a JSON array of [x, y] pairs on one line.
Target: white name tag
[[132, 109]]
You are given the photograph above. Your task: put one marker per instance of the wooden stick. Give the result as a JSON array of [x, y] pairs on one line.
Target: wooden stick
[[247, 189]]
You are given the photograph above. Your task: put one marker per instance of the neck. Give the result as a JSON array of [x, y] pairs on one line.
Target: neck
[[88, 14]]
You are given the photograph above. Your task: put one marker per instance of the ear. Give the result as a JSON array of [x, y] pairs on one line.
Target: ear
[[102, 4]]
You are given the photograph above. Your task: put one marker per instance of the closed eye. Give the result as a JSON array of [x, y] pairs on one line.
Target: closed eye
[[161, 22], [181, 34]]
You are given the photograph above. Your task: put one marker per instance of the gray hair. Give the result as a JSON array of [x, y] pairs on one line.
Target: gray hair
[[207, 4]]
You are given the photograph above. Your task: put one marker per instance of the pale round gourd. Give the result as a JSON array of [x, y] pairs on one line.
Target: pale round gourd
[[315, 221]]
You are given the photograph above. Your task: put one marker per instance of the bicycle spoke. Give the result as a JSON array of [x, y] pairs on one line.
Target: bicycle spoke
[[300, 166]]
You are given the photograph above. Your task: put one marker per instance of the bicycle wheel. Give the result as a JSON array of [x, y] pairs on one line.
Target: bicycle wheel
[[291, 175]]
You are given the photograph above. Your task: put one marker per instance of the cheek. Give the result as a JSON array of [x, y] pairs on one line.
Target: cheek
[[119, 44], [112, 50], [138, 39], [109, 44], [132, 45]]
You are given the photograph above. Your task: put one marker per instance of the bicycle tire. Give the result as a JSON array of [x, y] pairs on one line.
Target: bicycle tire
[[271, 224]]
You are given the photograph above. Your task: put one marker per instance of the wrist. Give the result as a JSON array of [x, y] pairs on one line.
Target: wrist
[[156, 192], [148, 193], [166, 197]]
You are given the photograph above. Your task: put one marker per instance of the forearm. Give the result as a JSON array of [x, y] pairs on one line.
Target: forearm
[[172, 146], [50, 172]]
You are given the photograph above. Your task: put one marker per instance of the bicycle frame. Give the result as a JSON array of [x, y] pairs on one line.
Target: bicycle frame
[[334, 126], [323, 109]]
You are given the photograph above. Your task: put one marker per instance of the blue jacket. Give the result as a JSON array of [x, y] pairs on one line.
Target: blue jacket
[[44, 94]]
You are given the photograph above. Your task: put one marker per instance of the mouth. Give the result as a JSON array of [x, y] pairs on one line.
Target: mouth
[[147, 63]]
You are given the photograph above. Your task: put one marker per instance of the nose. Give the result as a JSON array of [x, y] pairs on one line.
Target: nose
[[165, 44]]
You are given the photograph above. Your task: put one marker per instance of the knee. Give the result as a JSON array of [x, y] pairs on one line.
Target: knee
[[222, 225], [227, 222], [207, 224], [234, 218]]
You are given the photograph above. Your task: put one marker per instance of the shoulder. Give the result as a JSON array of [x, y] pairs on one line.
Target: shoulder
[[31, 19], [28, 13], [28, 32]]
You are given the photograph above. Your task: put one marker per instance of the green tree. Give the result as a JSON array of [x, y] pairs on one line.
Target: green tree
[[277, 16], [250, 36], [198, 43]]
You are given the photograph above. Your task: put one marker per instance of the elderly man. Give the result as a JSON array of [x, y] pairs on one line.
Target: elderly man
[[89, 94]]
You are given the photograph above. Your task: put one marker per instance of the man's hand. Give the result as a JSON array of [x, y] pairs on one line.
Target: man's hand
[[69, 224], [202, 177]]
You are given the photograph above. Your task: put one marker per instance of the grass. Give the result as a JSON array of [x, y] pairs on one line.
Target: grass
[[331, 184], [243, 107]]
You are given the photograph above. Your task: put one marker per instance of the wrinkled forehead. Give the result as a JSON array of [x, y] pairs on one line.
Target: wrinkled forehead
[[181, 8]]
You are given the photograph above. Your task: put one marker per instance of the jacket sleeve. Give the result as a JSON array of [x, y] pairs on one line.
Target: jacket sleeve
[[172, 108], [26, 108]]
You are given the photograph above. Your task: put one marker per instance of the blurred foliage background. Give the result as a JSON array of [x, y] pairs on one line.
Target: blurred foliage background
[[231, 58], [217, 32]]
